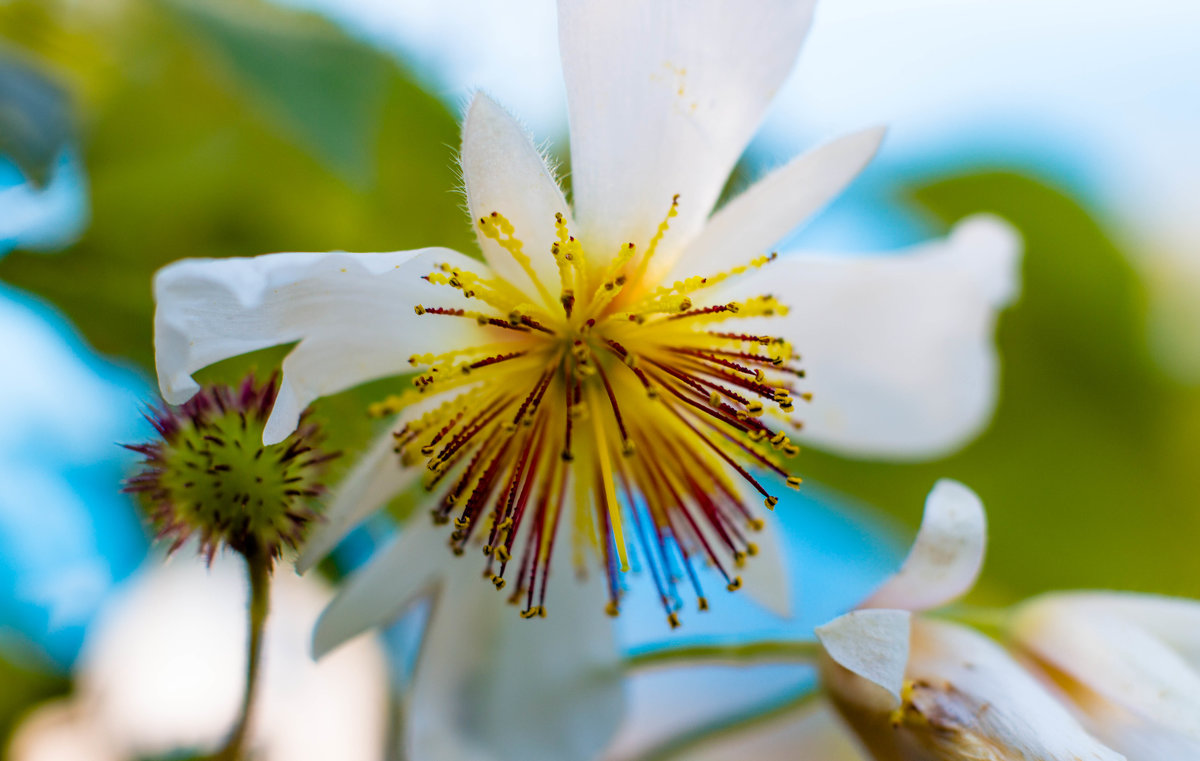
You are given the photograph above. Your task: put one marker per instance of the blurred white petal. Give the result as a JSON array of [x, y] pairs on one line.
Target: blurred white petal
[[351, 313], [61, 731], [413, 562], [491, 686], [812, 733], [765, 576], [163, 670], [504, 172], [376, 477], [762, 215], [899, 348], [964, 698], [1140, 653], [946, 556], [870, 643], [662, 98]]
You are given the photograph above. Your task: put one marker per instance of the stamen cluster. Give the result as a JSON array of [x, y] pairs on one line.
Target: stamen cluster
[[209, 474], [616, 407]]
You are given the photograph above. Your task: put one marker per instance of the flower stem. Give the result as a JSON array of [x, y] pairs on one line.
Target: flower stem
[[734, 655], [258, 565]]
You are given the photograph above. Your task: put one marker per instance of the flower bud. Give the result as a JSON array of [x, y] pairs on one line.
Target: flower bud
[[209, 475], [1128, 663], [963, 698]]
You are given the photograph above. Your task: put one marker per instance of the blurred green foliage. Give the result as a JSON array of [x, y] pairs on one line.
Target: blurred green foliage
[[189, 151], [233, 128], [22, 687]]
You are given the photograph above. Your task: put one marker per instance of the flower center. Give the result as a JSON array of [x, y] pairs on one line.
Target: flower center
[[617, 406]]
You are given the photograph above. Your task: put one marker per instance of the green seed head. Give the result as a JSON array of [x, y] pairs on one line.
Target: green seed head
[[209, 475]]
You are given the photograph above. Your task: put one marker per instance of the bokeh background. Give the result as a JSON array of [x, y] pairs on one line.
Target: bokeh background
[[136, 132]]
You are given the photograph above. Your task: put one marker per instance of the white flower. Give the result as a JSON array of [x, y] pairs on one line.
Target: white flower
[[920, 689], [617, 366], [1129, 664], [163, 668], [630, 322]]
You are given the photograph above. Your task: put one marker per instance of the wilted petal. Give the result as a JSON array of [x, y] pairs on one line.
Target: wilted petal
[[662, 99], [870, 643], [945, 558], [351, 313], [761, 216], [964, 698], [491, 686], [1138, 652], [898, 347], [410, 565], [505, 173]]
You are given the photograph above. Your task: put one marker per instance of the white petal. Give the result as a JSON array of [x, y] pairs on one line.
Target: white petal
[[872, 644], [757, 219], [1136, 653], [1174, 621], [765, 576], [61, 730], [945, 557], [898, 347], [505, 173], [814, 733], [351, 313], [1137, 738], [491, 686], [662, 98], [375, 478], [410, 565], [966, 699]]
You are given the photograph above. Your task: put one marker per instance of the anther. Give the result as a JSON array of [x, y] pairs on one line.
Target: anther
[[771, 502], [734, 584]]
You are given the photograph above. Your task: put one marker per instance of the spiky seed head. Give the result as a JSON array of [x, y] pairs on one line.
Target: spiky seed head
[[208, 475]]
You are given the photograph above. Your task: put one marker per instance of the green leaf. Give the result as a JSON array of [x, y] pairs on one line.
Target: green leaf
[[323, 88], [35, 120]]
